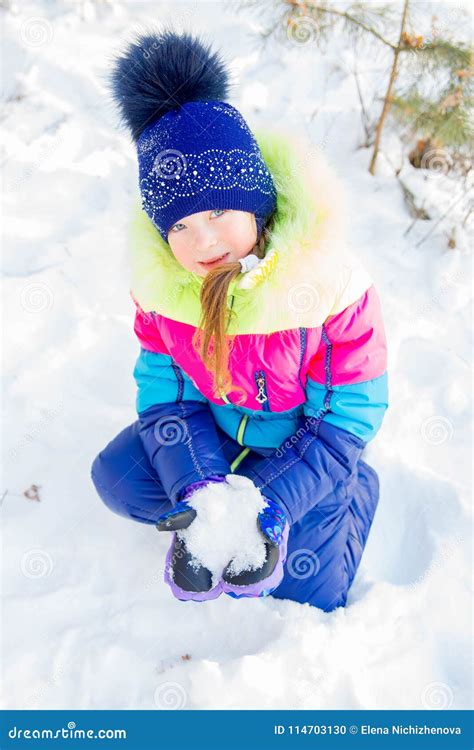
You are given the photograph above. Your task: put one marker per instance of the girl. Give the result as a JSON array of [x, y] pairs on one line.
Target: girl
[[262, 365]]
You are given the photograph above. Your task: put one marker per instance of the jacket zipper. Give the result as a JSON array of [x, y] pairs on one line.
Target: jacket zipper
[[303, 344], [180, 379], [262, 395]]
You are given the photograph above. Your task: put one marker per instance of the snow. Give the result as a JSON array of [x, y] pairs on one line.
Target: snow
[[225, 530], [88, 621]]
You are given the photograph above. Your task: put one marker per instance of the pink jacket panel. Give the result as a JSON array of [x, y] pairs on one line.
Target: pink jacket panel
[[358, 343], [283, 356]]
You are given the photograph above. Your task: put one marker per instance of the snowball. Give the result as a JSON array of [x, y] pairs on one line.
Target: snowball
[[225, 527]]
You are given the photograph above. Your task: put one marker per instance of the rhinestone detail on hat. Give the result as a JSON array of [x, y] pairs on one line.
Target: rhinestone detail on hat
[[177, 175]]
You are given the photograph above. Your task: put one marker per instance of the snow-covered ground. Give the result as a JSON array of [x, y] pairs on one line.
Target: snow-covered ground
[[87, 620]]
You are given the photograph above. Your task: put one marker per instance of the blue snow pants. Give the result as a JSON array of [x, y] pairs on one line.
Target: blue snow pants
[[324, 547]]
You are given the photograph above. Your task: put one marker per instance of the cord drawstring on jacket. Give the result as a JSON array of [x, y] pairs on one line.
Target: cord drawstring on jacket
[[249, 262]]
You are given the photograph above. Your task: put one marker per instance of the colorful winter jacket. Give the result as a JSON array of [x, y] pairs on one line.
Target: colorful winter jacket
[[309, 347]]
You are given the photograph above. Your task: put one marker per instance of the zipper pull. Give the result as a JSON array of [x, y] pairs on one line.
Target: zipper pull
[[261, 396]]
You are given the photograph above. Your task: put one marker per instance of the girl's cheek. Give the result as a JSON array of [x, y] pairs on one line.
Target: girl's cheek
[[185, 256]]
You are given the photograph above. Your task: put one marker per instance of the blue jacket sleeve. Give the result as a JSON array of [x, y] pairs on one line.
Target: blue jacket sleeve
[[176, 425], [308, 466]]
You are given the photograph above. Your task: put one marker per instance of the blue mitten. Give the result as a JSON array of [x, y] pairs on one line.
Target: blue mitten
[[273, 525]]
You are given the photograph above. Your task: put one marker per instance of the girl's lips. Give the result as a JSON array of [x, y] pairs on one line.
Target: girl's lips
[[214, 262]]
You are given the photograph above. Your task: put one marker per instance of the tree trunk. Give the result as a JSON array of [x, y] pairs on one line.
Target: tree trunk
[[388, 95]]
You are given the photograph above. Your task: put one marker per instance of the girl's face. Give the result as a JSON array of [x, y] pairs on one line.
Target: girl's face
[[206, 239]]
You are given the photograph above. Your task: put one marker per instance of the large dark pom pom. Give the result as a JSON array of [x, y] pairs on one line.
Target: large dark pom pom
[[161, 71]]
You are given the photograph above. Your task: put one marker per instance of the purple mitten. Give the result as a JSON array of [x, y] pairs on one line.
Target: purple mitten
[[187, 578]]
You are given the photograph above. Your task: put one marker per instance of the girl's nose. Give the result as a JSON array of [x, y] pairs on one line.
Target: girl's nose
[[205, 240]]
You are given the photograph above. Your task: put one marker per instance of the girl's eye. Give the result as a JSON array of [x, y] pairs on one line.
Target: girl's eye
[[176, 227]]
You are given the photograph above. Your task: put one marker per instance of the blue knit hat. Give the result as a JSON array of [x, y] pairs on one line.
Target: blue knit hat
[[195, 151]]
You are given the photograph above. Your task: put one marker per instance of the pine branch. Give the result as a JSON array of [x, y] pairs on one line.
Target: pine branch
[[446, 119], [453, 55], [314, 6]]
